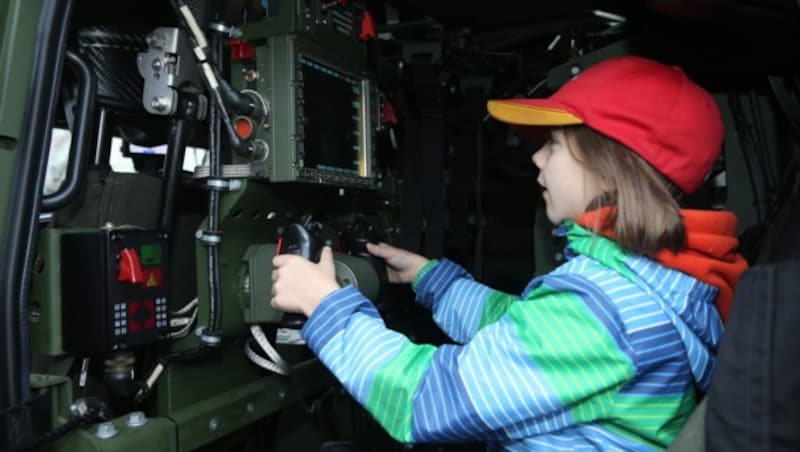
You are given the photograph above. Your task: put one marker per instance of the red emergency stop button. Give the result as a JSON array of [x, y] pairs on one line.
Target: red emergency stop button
[[130, 267], [244, 127]]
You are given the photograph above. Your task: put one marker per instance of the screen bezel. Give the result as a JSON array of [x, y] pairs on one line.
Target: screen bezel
[[364, 155]]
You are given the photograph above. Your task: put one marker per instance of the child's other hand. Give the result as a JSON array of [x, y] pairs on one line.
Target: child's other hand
[[298, 285], [401, 265]]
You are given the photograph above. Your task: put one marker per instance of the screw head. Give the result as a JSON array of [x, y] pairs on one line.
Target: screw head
[[136, 419], [106, 430]]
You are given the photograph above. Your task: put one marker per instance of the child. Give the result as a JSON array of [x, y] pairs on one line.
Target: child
[[606, 351]]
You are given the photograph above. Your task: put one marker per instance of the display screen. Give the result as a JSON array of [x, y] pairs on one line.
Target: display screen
[[332, 117]]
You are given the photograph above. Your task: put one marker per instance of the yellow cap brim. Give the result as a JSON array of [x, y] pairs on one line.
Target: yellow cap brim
[[517, 113]]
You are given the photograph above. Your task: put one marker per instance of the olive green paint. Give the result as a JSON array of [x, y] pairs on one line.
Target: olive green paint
[[19, 20]]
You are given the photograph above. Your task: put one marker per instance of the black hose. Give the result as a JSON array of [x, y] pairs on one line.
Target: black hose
[[19, 239], [82, 130], [240, 146], [102, 149], [96, 410], [241, 103], [215, 171], [173, 166], [52, 436]]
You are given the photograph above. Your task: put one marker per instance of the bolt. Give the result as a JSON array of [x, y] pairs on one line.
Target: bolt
[[136, 419], [159, 103], [251, 75], [106, 430], [281, 394], [157, 64], [575, 70], [213, 424], [251, 407]]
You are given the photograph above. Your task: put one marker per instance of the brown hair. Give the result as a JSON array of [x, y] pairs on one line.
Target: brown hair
[[647, 217]]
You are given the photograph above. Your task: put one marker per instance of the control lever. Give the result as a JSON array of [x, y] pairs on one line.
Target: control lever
[[299, 240]]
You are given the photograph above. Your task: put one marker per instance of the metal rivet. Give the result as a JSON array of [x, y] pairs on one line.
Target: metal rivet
[[213, 424], [281, 394], [251, 407]]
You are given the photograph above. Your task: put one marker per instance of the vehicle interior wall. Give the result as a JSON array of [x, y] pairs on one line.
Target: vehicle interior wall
[[438, 177]]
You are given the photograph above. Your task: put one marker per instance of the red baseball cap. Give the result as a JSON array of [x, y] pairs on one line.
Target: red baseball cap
[[652, 108]]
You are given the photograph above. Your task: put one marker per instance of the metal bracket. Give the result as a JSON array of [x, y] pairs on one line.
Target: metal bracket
[[209, 238], [166, 66], [217, 184]]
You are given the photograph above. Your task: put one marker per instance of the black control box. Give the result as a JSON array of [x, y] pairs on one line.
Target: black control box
[[113, 290]]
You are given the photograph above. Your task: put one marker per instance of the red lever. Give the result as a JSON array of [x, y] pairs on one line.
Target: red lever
[[130, 267], [367, 27]]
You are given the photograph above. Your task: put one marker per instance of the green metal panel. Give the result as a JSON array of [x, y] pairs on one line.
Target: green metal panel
[[157, 435], [46, 337], [224, 414], [247, 216], [280, 83], [223, 392], [259, 285], [310, 20], [350, 270], [19, 20], [60, 394], [278, 86]]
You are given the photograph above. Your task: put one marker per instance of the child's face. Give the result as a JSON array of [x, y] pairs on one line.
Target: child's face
[[566, 184]]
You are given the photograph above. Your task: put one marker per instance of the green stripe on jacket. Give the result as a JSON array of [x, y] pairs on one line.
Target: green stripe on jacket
[[573, 350], [391, 394]]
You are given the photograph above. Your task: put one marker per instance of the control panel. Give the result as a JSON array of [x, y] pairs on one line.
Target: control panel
[[114, 289]]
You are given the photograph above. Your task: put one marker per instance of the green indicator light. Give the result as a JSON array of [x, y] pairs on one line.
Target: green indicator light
[[151, 254]]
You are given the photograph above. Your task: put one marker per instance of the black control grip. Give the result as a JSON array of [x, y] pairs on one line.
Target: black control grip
[[297, 239]]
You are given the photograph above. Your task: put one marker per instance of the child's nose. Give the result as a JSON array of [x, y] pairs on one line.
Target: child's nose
[[538, 158]]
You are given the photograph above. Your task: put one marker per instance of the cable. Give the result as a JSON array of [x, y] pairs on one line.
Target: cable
[[264, 363], [210, 79], [187, 327], [262, 341], [277, 365], [186, 308], [83, 411]]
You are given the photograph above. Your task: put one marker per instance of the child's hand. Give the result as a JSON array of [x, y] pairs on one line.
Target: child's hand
[[401, 265], [298, 285]]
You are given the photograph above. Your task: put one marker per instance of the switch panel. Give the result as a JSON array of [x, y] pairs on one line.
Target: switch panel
[[114, 290]]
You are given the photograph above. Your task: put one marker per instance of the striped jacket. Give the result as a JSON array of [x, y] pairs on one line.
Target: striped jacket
[[604, 352]]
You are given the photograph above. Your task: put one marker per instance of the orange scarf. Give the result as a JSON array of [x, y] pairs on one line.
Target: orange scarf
[[708, 255]]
